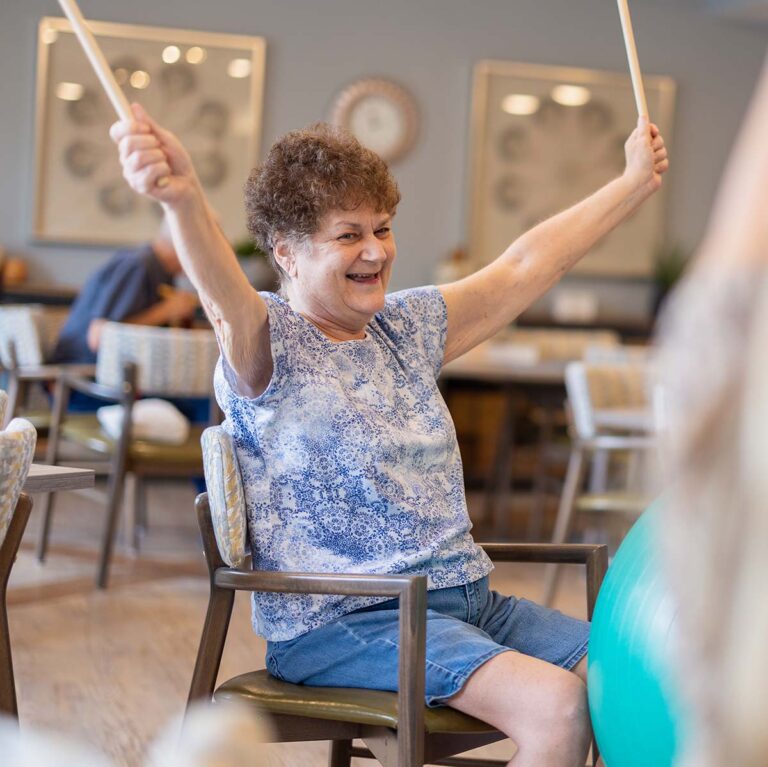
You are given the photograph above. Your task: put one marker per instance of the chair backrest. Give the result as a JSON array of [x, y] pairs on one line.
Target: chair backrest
[[604, 385], [32, 329], [556, 344], [225, 495], [171, 362], [17, 445]]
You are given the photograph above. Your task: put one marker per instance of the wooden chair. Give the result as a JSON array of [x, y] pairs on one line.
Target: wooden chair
[[596, 391], [134, 360], [397, 727], [28, 333], [17, 444]]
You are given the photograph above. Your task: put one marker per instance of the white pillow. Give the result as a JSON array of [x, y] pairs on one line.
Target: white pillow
[[154, 420]]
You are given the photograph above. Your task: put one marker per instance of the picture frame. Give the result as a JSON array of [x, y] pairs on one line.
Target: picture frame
[[544, 137], [204, 87]]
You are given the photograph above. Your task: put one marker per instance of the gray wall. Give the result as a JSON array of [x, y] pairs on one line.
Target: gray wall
[[315, 47]]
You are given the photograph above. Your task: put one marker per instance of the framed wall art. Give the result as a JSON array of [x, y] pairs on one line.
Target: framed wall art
[[206, 88], [545, 137]]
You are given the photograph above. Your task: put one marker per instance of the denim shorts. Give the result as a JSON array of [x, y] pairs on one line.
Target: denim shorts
[[466, 626]]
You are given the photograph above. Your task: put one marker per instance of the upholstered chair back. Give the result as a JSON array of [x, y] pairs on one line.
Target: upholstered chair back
[[171, 362], [17, 445], [603, 386], [32, 329], [225, 495]]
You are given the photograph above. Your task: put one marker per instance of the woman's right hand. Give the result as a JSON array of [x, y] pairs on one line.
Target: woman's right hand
[[154, 161]]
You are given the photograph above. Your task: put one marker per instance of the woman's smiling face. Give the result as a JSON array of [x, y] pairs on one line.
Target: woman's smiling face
[[338, 279]]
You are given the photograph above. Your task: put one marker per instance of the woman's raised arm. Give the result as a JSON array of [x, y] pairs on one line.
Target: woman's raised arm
[[483, 303], [156, 165]]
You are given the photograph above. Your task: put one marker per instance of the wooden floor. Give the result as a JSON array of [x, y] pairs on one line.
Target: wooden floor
[[112, 668]]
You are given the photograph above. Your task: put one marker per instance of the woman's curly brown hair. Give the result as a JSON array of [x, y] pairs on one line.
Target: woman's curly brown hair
[[307, 174]]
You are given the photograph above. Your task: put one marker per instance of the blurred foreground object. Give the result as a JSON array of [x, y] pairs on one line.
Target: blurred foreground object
[[714, 380]]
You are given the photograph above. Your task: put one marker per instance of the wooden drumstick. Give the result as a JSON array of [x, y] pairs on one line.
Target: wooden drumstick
[[100, 66], [634, 63], [96, 57]]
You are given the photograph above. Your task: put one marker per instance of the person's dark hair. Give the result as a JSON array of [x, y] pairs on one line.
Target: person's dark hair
[[307, 174]]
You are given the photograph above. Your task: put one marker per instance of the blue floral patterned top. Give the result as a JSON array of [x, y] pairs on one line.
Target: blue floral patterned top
[[349, 459]]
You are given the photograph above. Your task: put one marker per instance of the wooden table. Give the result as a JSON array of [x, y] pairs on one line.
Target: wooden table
[[47, 479], [542, 381]]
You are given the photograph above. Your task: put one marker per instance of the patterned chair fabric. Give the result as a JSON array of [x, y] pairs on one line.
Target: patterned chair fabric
[[601, 386], [17, 445], [32, 329], [225, 495], [171, 361]]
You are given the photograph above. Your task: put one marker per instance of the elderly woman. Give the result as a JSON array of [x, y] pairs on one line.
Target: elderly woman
[[348, 453]]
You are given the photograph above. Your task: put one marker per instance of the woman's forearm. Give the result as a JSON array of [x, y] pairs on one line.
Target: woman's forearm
[[485, 302], [552, 247]]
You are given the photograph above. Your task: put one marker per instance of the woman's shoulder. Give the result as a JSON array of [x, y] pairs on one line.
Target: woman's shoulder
[[414, 303]]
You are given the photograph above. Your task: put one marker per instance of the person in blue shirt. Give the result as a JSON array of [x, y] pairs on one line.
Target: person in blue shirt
[[136, 286]]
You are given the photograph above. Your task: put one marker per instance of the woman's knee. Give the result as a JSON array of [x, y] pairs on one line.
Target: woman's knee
[[564, 703]]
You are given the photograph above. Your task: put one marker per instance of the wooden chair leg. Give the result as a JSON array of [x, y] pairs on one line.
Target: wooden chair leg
[[8, 550], [60, 398], [340, 753], [573, 479], [45, 529], [138, 521], [114, 503], [117, 475], [217, 617]]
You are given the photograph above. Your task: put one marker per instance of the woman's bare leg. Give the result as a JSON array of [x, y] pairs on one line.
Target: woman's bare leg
[[541, 707]]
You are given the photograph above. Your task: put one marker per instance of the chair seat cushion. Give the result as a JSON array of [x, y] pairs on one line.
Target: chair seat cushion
[[374, 707], [626, 503], [84, 429]]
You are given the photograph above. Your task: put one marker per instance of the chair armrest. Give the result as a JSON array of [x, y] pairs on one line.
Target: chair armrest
[[94, 389], [316, 583], [53, 372], [412, 593], [593, 556]]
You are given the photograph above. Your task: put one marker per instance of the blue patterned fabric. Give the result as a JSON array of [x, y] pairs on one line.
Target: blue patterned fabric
[[349, 459]]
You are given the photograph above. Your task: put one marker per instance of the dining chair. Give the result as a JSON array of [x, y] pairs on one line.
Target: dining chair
[[28, 334], [17, 445], [396, 727], [609, 417], [133, 361]]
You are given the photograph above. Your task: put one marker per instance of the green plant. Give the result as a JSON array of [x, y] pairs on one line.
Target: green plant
[[671, 260], [247, 248]]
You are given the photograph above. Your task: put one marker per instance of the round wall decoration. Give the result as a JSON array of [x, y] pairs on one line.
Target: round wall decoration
[[381, 114]]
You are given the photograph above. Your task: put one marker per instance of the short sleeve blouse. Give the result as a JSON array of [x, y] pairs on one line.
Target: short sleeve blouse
[[349, 459]]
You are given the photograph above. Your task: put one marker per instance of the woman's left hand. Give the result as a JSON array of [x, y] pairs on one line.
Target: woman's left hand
[[646, 156]]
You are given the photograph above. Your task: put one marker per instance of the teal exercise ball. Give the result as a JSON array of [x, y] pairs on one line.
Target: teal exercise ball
[[635, 708]]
